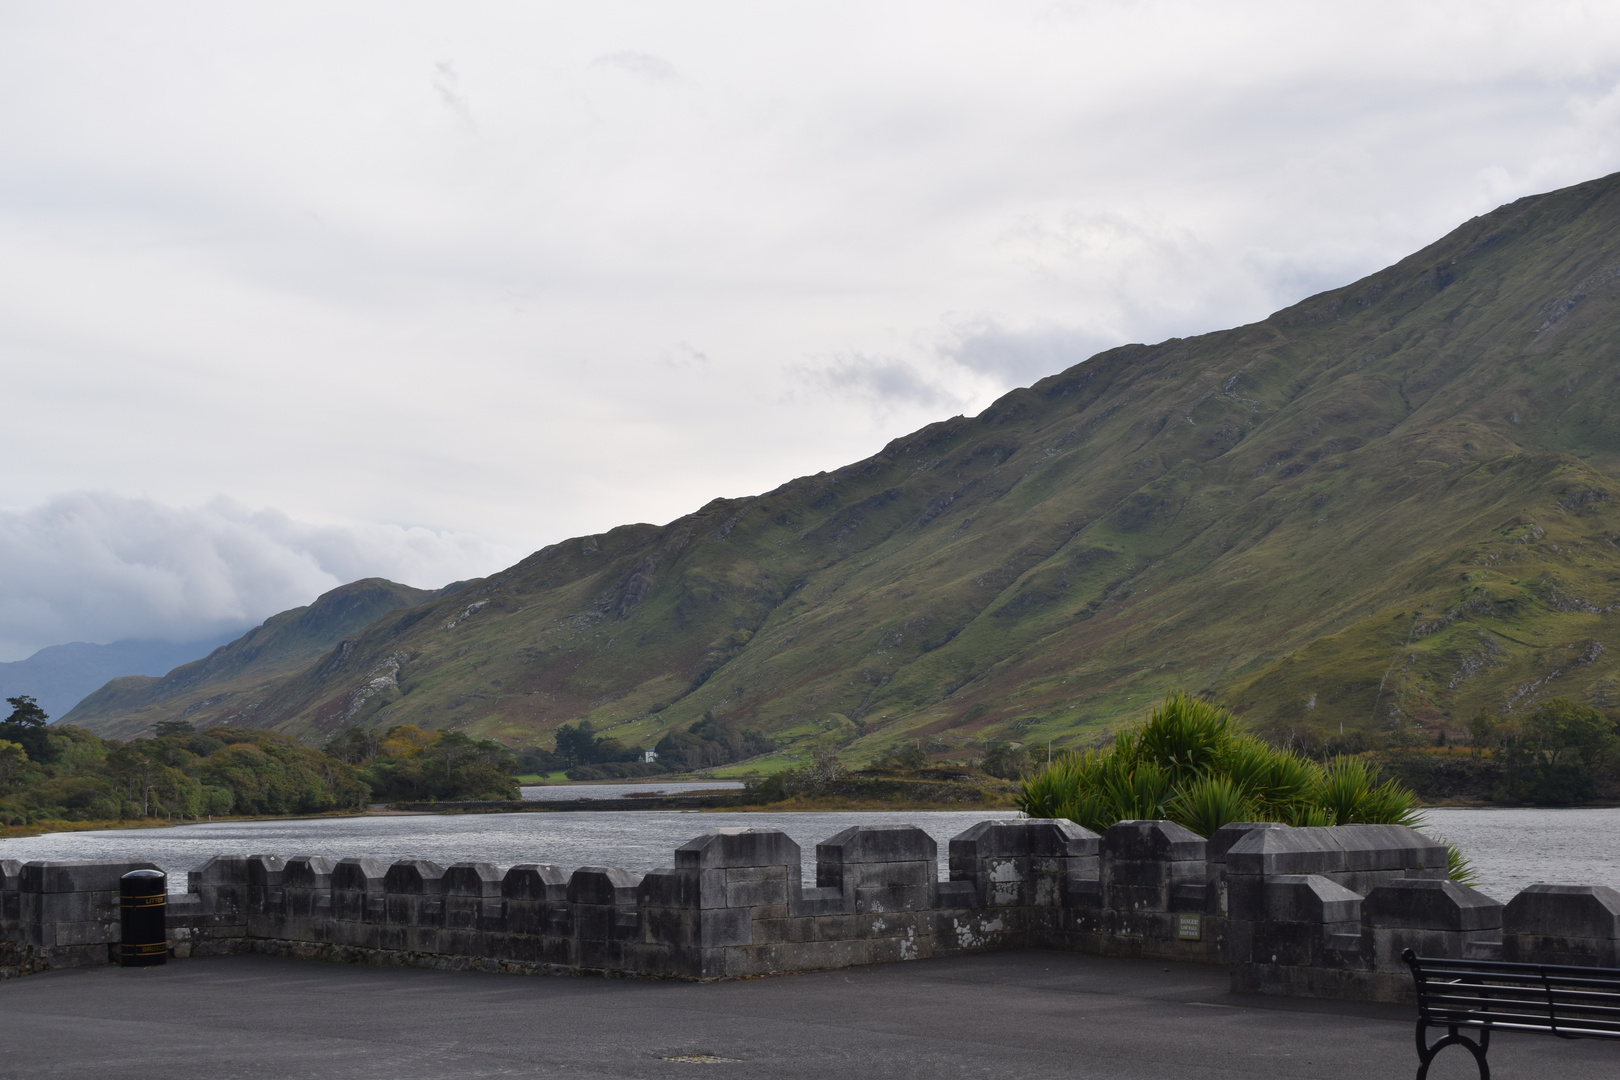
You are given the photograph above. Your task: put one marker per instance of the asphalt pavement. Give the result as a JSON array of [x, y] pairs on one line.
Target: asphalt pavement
[[1007, 1015]]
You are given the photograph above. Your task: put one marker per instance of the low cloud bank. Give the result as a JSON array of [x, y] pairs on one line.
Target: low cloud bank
[[98, 567]]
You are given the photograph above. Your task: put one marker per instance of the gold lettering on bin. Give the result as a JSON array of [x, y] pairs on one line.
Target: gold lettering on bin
[[1190, 927]]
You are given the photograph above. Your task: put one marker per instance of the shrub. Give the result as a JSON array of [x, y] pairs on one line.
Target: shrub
[[1190, 764]]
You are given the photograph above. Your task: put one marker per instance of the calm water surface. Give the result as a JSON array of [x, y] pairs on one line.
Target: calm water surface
[[550, 792], [1511, 848], [635, 840]]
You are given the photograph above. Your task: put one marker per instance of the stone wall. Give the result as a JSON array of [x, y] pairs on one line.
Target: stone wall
[[1318, 912]]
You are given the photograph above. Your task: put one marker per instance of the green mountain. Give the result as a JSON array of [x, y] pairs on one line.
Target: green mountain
[[1387, 507], [227, 685]]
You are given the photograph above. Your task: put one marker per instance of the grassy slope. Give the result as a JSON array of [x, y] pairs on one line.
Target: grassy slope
[[227, 683], [1388, 504]]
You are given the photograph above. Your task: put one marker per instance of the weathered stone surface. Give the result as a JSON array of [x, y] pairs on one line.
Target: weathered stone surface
[[1424, 904], [1019, 838], [1310, 898], [738, 847], [1152, 841], [359, 875], [1222, 839], [536, 881], [1574, 911], [479, 879], [603, 885], [308, 872], [878, 844], [43, 876], [414, 877]]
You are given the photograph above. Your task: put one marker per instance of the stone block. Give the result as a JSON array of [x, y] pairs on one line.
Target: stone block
[[819, 901], [877, 844], [1284, 850], [414, 877], [536, 881], [883, 874], [1388, 847], [724, 848], [1574, 911], [725, 927], [308, 872], [1152, 841], [673, 926], [882, 898], [1310, 898], [479, 879], [1426, 904], [359, 875], [42, 876], [603, 885], [1082, 891], [956, 894], [669, 887], [267, 871], [1027, 837], [220, 870], [1222, 839], [756, 886]]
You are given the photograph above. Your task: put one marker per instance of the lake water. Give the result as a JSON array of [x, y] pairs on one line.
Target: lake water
[[564, 792], [635, 840], [1511, 848]]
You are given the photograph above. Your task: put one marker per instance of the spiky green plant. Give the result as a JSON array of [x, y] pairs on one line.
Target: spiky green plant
[[1459, 867], [1210, 801], [1190, 763]]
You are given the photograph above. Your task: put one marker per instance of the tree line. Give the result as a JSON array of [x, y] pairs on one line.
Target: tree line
[[52, 772]]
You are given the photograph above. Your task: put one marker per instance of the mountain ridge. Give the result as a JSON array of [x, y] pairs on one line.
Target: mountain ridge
[[1268, 514], [282, 643]]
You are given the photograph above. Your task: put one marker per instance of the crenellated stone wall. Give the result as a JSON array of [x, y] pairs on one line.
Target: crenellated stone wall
[[1319, 912]]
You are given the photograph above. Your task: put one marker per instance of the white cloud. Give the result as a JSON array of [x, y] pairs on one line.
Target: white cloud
[[97, 567]]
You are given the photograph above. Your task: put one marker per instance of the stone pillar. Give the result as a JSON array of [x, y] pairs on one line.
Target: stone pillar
[[266, 895], [1432, 918], [1308, 939], [10, 909], [1023, 863], [1577, 925], [413, 906], [357, 902], [742, 881], [306, 893], [539, 919], [472, 897], [603, 899], [1152, 866], [878, 868]]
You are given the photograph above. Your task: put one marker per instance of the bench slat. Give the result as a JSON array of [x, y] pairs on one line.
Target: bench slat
[[1575, 1002]]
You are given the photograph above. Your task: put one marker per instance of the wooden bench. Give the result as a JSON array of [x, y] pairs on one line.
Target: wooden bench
[[1489, 995]]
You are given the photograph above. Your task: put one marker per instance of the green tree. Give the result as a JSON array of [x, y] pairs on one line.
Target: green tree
[[26, 725], [13, 763]]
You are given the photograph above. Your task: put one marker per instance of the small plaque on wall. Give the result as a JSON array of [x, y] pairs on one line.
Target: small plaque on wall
[[1190, 927]]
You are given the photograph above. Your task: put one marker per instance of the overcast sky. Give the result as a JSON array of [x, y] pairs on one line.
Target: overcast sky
[[296, 293]]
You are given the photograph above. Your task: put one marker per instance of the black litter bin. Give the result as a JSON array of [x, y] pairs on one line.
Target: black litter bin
[[143, 908]]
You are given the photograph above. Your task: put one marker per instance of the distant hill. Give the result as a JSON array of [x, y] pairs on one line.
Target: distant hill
[[58, 676], [224, 682], [1386, 507]]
